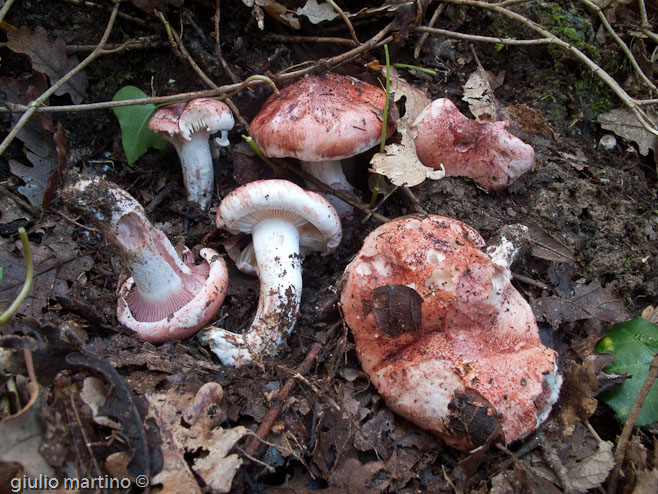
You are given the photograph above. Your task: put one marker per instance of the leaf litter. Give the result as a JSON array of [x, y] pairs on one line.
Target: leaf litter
[[359, 447]]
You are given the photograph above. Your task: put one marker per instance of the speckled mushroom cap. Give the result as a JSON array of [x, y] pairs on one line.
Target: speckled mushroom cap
[[316, 220], [183, 119], [331, 117], [447, 340], [483, 151]]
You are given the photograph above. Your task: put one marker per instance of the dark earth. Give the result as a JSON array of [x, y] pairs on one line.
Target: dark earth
[[593, 260]]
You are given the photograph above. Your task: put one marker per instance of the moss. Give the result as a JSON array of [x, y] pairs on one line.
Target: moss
[[571, 25]]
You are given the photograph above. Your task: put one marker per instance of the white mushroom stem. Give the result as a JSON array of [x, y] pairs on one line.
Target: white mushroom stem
[[157, 270], [276, 246], [161, 278], [196, 161], [330, 172]]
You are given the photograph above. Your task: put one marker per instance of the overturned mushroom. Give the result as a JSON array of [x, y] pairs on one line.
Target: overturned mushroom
[[285, 222], [166, 297], [188, 126], [483, 151], [321, 121], [447, 340]]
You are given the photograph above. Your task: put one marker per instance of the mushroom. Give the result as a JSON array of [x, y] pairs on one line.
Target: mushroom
[[166, 297], [447, 340], [285, 222], [188, 126], [320, 121], [483, 151]]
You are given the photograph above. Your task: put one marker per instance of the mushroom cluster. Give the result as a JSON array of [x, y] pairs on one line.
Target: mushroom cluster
[[166, 297], [447, 340], [321, 121]]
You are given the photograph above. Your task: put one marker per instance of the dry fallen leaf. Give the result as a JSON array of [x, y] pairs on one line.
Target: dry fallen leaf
[[622, 122], [479, 95], [400, 164], [22, 434], [210, 445], [49, 57], [590, 301], [317, 13]]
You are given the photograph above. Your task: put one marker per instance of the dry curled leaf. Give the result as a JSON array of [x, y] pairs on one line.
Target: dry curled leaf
[[49, 57], [591, 301], [212, 461], [317, 13], [479, 95], [400, 164], [623, 122]]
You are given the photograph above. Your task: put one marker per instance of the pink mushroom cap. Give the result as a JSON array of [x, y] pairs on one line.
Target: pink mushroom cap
[[329, 117], [447, 340], [483, 151]]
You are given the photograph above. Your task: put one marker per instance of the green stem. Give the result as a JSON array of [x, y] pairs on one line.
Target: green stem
[[414, 67], [29, 272], [375, 190], [254, 146]]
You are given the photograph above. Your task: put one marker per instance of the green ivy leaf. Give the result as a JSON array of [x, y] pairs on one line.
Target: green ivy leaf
[[633, 343], [134, 119]]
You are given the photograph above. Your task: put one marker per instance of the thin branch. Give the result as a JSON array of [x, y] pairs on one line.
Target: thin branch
[[550, 38], [377, 40], [435, 17], [32, 107], [5, 8], [345, 19], [620, 42]]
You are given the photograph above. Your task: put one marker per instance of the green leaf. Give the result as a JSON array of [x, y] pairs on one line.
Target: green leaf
[[134, 119], [633, 343]]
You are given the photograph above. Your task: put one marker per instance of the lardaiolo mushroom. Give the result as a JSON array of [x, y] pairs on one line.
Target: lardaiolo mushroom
[[483, 151], [320, 121], [447, 340], [166, 297], [285, 222], [188, 126]]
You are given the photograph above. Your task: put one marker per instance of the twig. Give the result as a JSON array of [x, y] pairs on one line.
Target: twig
[[308, 39], [423, 37], [622, 443], [345, 19], [620, 42], [5, 8], [87, 3], [253, 444], [49, 92], [549, 38], [377, 40]]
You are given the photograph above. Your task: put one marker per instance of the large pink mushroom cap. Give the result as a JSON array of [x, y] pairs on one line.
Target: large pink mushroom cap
[[447, 340], [483, 151], [321, 120], [166, 297]]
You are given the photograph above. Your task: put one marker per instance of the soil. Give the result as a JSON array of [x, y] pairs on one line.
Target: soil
[[591, 214]]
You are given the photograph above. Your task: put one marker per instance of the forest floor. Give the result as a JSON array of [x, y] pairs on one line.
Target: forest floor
[[592, 214]]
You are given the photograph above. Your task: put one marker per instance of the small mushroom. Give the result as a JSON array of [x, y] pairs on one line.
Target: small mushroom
[[188, 126], [483, 151], [166, 297], [321, 121], [285, 222], [447, 340]]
